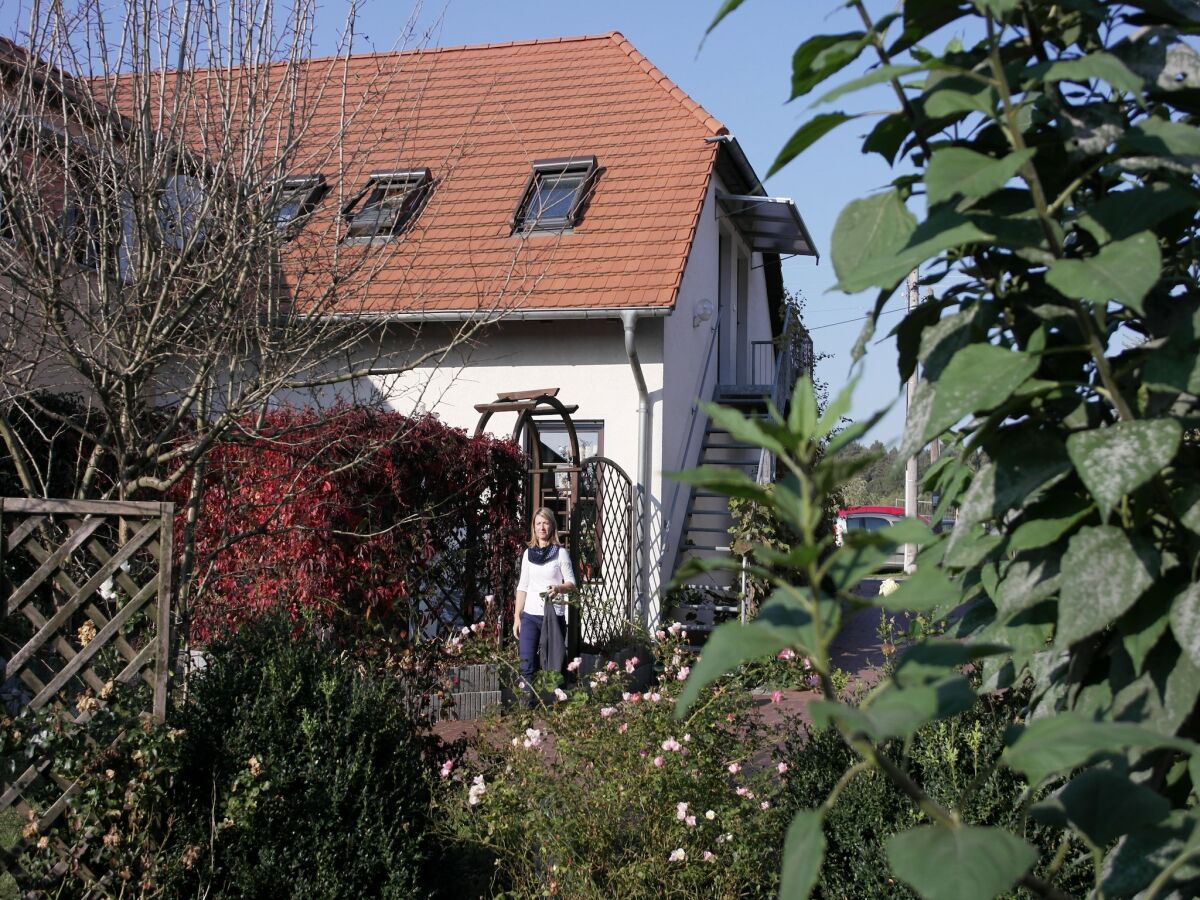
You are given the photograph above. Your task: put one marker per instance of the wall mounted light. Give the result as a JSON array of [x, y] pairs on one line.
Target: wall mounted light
[[702, 312]]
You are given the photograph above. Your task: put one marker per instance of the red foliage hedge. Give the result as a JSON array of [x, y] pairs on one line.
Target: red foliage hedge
[[359, 514]]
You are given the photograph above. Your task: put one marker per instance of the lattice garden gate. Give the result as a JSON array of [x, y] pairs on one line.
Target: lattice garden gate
[[86, 587], [602, 548]]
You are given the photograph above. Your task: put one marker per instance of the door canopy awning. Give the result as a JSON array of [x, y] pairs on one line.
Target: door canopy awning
[[769, 224]]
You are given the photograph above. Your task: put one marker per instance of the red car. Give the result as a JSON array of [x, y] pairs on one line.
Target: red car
[[872, 518]]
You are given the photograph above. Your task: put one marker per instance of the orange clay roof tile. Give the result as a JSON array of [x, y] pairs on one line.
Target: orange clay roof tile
[[478, 117]]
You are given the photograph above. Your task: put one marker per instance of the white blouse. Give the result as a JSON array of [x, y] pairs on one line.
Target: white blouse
[[535, 579]]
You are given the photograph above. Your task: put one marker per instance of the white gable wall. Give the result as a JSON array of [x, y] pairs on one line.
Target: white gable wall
[[691, 357]]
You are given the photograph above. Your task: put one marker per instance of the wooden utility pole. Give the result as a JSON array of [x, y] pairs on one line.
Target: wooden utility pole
[[910, 471]]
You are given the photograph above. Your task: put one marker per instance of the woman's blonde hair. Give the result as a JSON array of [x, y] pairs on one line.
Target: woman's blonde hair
[[546, 513]]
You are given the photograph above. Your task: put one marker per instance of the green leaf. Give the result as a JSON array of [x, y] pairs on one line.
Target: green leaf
[[1101, 66], [957, 171], [727, 647], [1123, 271], [821, 56], [807, 135], [785, 620], [887, 137], [1066, 741], [803, 851], [1163, 139], [875, 76], [1039, 460], [1185, 621], [1108, 576], [1143, 626], [726, 8], [959, 94], [896, 712], [1140, 856], [867, 230], [963, 863], [1027, 580], [979, 377], [968, 551], [802, 417], [1037, 533], [838, 407], [1088, 804], [1124, 213], [998, 8], [926, 588], [930, 661], [725, 480], [743, 429], [1117, 460]]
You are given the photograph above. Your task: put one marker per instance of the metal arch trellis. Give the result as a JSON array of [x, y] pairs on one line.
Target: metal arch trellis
[[86, 587], [601, 545]]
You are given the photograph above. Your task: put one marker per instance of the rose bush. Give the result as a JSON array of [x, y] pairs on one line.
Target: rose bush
[[609, 795]]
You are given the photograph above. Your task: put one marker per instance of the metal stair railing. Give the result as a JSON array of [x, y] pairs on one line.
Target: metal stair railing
[[685, 457], [795, 357]]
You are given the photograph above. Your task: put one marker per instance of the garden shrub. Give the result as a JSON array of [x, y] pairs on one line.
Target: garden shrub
[[610, 796], [954, 760], [355, 515], [1045, 193], [304, 770], [121, 821]]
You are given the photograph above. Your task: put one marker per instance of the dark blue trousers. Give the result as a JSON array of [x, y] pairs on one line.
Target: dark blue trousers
[[527, 646]]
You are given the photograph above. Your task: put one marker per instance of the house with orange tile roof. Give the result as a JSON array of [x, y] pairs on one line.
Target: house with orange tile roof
[[609, 230], [550, 217]]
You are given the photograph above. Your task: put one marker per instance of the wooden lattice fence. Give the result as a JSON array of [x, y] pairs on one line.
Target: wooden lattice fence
[[86, 587]]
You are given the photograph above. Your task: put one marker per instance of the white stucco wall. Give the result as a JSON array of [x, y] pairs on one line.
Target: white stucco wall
[[691, 358]]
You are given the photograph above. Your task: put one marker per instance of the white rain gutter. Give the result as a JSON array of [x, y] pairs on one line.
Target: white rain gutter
[[496, 318], [629, 318]]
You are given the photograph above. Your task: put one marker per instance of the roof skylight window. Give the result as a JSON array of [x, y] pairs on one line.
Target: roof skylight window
[[555, 194], [297, 197], [389, 202]]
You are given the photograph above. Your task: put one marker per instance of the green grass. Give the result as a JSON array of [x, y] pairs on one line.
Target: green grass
[[10, 833]]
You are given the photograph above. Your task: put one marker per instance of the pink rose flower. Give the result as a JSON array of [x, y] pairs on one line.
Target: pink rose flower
[[787, 653], [782, 767], [607, 711], [683, 673], [776, 696], [658, 762], [734, 768]]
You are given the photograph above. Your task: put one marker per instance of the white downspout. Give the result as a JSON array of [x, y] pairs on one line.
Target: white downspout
[[629, 318]]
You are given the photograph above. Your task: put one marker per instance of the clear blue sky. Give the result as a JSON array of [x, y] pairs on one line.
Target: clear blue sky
[[741, 75]]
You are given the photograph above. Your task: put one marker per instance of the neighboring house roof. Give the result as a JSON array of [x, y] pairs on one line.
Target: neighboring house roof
[[479, 117]]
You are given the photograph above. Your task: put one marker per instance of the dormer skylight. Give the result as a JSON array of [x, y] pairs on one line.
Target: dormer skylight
[[297, 197], [389, 202], [555, 194]]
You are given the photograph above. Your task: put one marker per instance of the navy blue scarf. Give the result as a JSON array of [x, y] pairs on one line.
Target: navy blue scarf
[[539, 556]]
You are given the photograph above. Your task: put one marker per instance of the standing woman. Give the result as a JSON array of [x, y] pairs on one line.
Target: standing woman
[[545, 572]]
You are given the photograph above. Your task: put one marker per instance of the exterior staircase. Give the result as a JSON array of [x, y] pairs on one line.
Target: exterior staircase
[[715, 597], [707, 600]]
